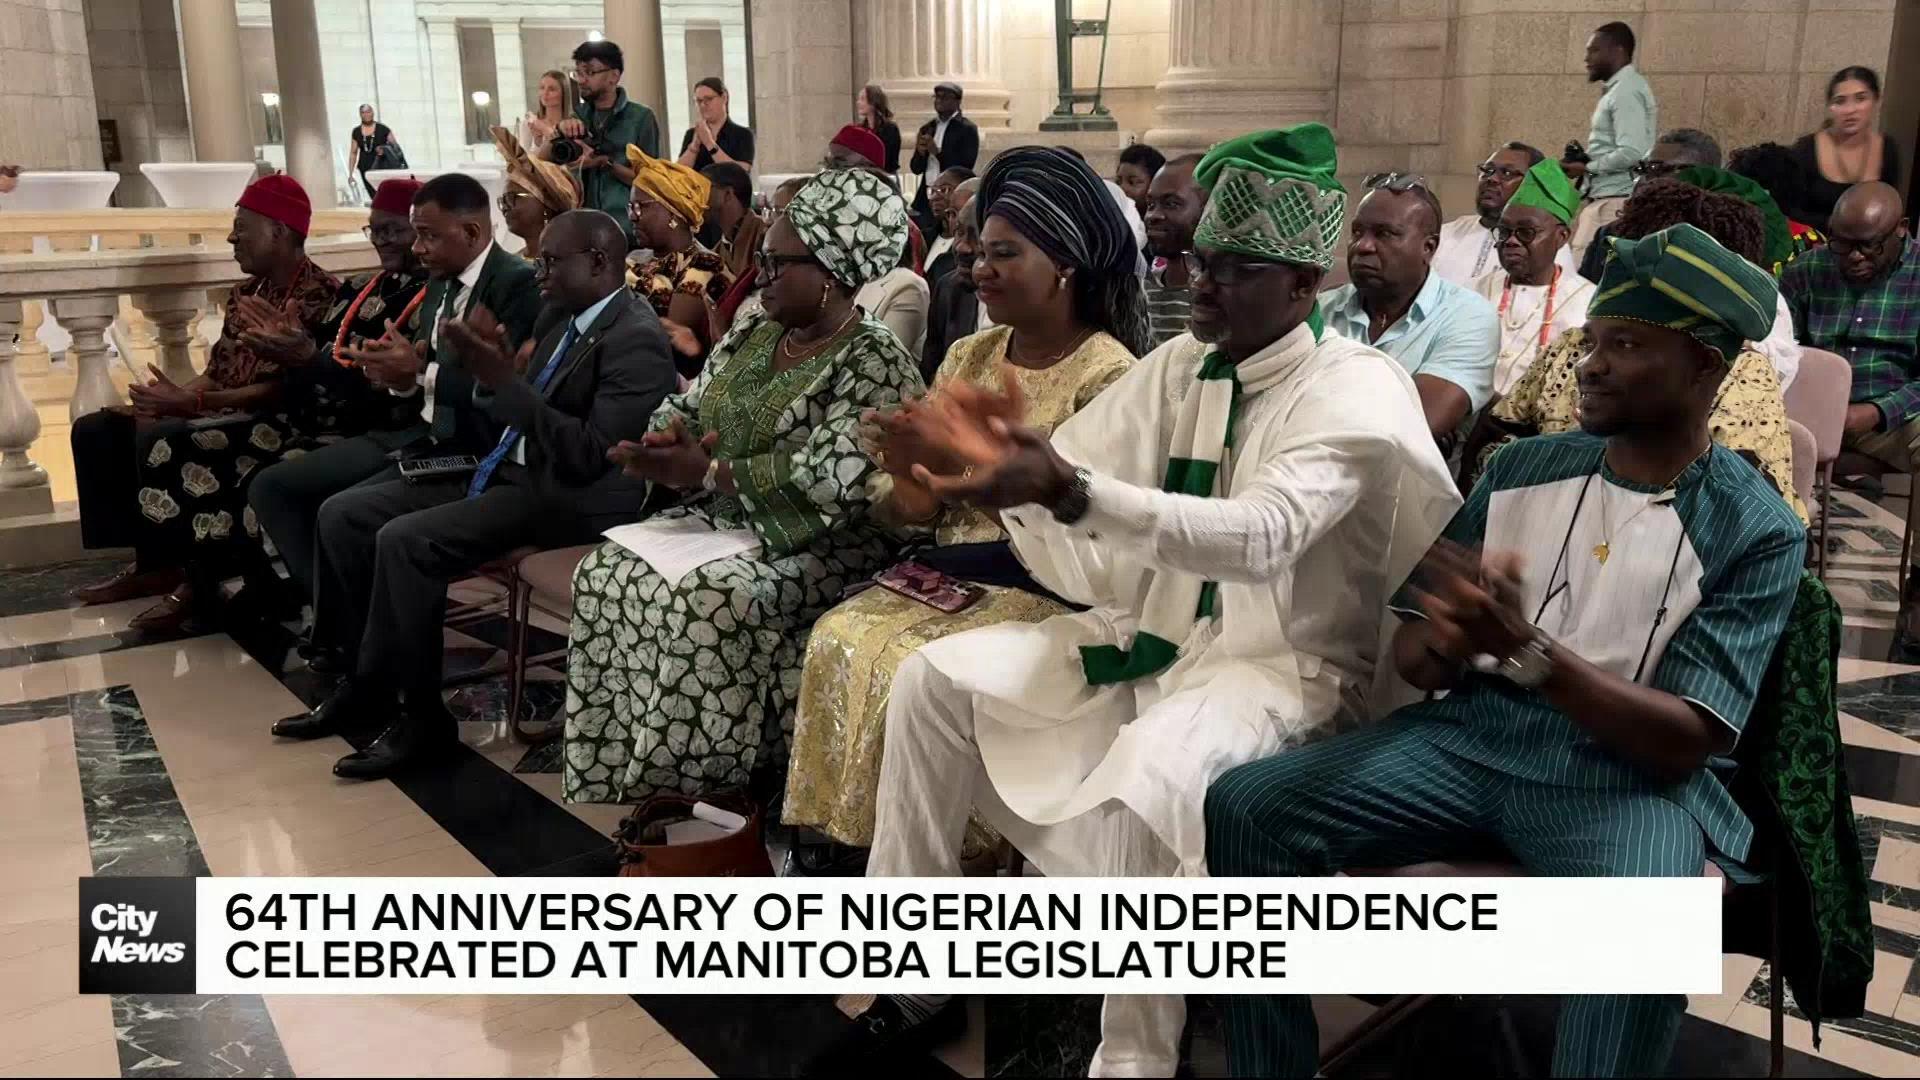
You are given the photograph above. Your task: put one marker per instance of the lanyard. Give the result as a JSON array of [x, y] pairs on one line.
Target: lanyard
[[1546, 311]]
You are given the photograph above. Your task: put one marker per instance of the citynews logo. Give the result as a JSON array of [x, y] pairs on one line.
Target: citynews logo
[[136, 935]]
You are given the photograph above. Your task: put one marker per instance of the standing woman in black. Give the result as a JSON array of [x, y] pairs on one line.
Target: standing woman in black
[[876, 115], [1848, 149]]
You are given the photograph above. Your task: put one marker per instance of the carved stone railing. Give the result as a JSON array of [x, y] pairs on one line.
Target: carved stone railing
[[167, 268]]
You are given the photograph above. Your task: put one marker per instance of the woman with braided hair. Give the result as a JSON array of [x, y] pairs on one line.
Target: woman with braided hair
[[1749, 416]]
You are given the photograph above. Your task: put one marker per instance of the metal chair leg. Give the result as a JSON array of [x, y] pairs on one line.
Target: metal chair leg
[[1776, 987]]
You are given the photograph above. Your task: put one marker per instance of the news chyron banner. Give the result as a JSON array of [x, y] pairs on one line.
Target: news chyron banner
[[901, 935]]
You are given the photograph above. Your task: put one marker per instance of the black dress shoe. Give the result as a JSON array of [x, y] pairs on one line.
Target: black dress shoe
[[408, 742], [348, 709], [325, 660], [884, 1036]]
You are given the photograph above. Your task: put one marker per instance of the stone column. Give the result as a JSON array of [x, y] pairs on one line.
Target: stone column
[[303, 100], [174, 313], [450, 103], [1236, 66], [34, 357], [216, 86], [86, 318], [634, 25], [803, 79], [912, 44], [510, 73], [19, 422]]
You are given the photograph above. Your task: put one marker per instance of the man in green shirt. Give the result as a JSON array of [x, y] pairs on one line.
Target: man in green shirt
[[604, 124]]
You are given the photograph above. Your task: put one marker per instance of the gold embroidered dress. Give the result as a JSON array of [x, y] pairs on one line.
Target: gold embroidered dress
[[856, 647]]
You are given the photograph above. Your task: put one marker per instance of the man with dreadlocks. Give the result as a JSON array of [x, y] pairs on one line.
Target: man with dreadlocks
[[1232, 512]]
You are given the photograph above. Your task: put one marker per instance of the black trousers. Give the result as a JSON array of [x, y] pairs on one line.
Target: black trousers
[[108, 447], [389, 549], [286, 497]]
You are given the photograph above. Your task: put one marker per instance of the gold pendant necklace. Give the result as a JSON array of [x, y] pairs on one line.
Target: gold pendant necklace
[[1604, 548]]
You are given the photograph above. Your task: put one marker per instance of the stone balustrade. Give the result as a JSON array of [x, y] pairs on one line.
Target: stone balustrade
[[167, 269]]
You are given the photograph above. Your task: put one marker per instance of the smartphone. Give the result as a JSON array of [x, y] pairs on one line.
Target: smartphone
[[918, 581]]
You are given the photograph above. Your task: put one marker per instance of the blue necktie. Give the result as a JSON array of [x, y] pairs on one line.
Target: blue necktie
[[512, 435]]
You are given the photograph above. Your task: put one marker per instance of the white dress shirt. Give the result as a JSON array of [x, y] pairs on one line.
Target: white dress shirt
[[934, 168], [468, 278]]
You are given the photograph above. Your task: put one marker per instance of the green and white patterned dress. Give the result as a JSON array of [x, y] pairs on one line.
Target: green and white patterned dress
[[691, 687]]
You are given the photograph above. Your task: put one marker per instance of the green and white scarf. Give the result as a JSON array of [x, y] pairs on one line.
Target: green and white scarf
[[1202, 435]]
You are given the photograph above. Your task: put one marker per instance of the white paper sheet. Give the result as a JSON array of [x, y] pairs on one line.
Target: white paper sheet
[[675, 547]]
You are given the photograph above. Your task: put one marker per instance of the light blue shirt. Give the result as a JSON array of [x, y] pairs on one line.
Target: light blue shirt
[[1620, 134], [1450, 333]]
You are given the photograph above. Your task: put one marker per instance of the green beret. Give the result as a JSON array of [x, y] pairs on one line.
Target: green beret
[[1682, 279], [1546, 187]]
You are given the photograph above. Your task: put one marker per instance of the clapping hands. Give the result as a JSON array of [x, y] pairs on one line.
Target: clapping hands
[[968, 445], [670, 456], [1472, 603], [390, 361], [272, 331], [485, 348]]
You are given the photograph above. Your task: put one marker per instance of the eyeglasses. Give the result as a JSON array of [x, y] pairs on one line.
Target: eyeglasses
[[507, 199], [1526, 234], [383, 235], [1504, 173], [1654, 167], [1866, 249], [1225, 272], [546, 261], [770, 266], [584, 72], [1395, 182], [941, 189]]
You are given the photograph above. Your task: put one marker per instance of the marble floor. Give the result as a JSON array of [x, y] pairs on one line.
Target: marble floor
[[127, 754]]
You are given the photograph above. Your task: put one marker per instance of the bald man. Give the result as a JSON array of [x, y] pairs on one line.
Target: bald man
[[1859, 296]]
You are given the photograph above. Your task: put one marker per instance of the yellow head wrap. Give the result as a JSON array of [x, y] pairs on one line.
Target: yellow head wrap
[[682, 190], [554, 185]]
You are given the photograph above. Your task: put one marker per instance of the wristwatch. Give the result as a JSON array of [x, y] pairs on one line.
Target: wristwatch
[[1072, 504], [1530, 665]]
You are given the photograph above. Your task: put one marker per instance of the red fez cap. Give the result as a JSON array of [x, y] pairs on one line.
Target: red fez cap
[[862, 141], [396, 196], [281, 198]]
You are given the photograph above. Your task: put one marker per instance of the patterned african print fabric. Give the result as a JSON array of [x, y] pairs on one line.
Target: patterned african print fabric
[[1792, 782], [855, 648], [231, 364], [690, 687], [854, 222], [695, 271], [1749, 416], [193, 484]]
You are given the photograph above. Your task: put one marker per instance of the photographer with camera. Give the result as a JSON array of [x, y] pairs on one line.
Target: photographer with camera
[[595, 139]]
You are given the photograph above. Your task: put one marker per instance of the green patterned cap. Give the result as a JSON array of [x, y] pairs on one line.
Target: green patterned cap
[[1272, 195], [1682, 279], [853, 221]]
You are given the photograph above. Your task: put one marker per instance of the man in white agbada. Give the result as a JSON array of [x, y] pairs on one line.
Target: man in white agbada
[[1234, 512]]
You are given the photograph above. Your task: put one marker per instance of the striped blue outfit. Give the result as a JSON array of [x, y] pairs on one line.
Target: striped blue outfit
[[1492, 770]]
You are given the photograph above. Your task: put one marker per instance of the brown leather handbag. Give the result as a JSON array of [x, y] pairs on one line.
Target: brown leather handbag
[[738, 854]]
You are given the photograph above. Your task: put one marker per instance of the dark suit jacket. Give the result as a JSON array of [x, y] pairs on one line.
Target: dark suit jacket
[[506, 288], [962, 147], [952, 313], [606, 389]]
